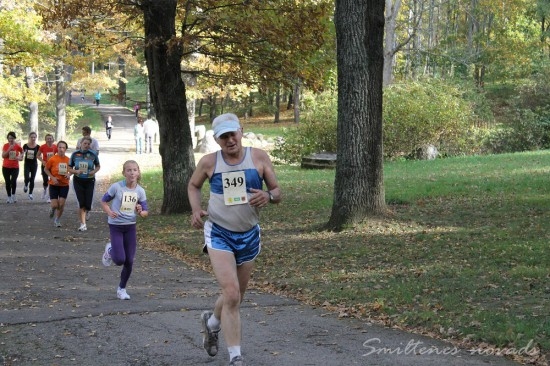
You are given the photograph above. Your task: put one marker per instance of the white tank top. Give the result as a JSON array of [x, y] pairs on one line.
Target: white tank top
[[238, 217]]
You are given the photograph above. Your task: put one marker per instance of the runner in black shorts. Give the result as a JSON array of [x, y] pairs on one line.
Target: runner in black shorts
[[84, 164]]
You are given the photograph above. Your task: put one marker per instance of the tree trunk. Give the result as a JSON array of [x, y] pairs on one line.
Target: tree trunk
[[33, 106], [191, 104], [212, 99], [289, 101], [358, 184], [296, 94], [251, 106], [392, 12], [148, 100], [278, 104], [121, 83], [169, 102], [33, 118], [1, 56], [61, 103]]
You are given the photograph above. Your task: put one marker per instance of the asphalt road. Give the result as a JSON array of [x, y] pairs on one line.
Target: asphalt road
[[59, 307]]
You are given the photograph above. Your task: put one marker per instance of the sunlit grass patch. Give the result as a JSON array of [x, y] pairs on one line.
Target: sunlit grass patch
[[463, 254]]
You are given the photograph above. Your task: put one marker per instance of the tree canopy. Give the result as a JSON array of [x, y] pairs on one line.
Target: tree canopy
[[230, 49]]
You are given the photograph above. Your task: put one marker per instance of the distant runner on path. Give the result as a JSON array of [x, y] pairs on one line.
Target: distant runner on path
[[97, 97], [109, 126]]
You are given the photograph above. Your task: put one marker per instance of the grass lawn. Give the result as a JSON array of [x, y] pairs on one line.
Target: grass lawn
[[464, 254], [90, 117]]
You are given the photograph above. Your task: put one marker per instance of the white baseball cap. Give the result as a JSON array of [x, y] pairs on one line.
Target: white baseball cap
[[224, 123]]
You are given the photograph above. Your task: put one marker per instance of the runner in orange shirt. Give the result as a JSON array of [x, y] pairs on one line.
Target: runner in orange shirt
[[12, 153], [57, 169], [46, 151]]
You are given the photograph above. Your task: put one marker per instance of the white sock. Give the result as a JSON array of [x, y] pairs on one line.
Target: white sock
[[234, 351], [213, 322]]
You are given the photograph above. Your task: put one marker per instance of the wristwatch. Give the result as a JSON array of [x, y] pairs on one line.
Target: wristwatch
[[271, 199]]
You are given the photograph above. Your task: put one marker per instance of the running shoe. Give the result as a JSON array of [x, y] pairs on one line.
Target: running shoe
[[82, 227], [236, 361], [122, 294], [106, 259], [56, 223], [31, 197], [49, 200], [209, 337], [52, 212], [45, 194], [9, 200], [13, 198], [25, 189], [87, 215]]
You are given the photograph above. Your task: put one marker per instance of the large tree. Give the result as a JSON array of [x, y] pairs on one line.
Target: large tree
[[250, 39], [23, 46], [358, 184], [163, 56], [254, 42]]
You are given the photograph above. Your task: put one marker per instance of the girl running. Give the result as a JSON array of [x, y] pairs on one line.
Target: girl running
[[127, 200]]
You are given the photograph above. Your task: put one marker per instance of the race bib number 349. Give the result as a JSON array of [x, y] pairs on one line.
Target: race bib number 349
[[234, 188]]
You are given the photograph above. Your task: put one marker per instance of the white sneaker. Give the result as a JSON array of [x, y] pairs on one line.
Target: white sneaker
[[49, 200], [87, 215], [209, 336], [106, 259], [45, 194], [236, 361], [25, 189], [30, 196], [13, 198], [82, 227], [122, 294], [9, 200], [56, 223]]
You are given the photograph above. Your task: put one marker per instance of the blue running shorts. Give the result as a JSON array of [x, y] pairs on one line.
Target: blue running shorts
[[245, 246]]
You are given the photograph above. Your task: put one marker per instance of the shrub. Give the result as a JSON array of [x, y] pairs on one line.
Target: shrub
[[416, 114], [48, 119], [534, 91], [468, 143], [528, 130], [315, 133]]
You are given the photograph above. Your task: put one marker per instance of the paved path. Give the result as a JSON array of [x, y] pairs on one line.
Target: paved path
[[59, 307]]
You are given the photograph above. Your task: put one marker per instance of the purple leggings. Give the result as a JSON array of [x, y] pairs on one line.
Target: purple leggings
[[123, 249]]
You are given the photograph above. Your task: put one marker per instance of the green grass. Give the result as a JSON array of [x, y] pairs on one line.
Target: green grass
[[90, 117], [136, 89], [259, 124], [463, 255]]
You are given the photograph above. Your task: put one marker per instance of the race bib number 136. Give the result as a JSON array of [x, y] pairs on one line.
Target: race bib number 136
[[129, 201]]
